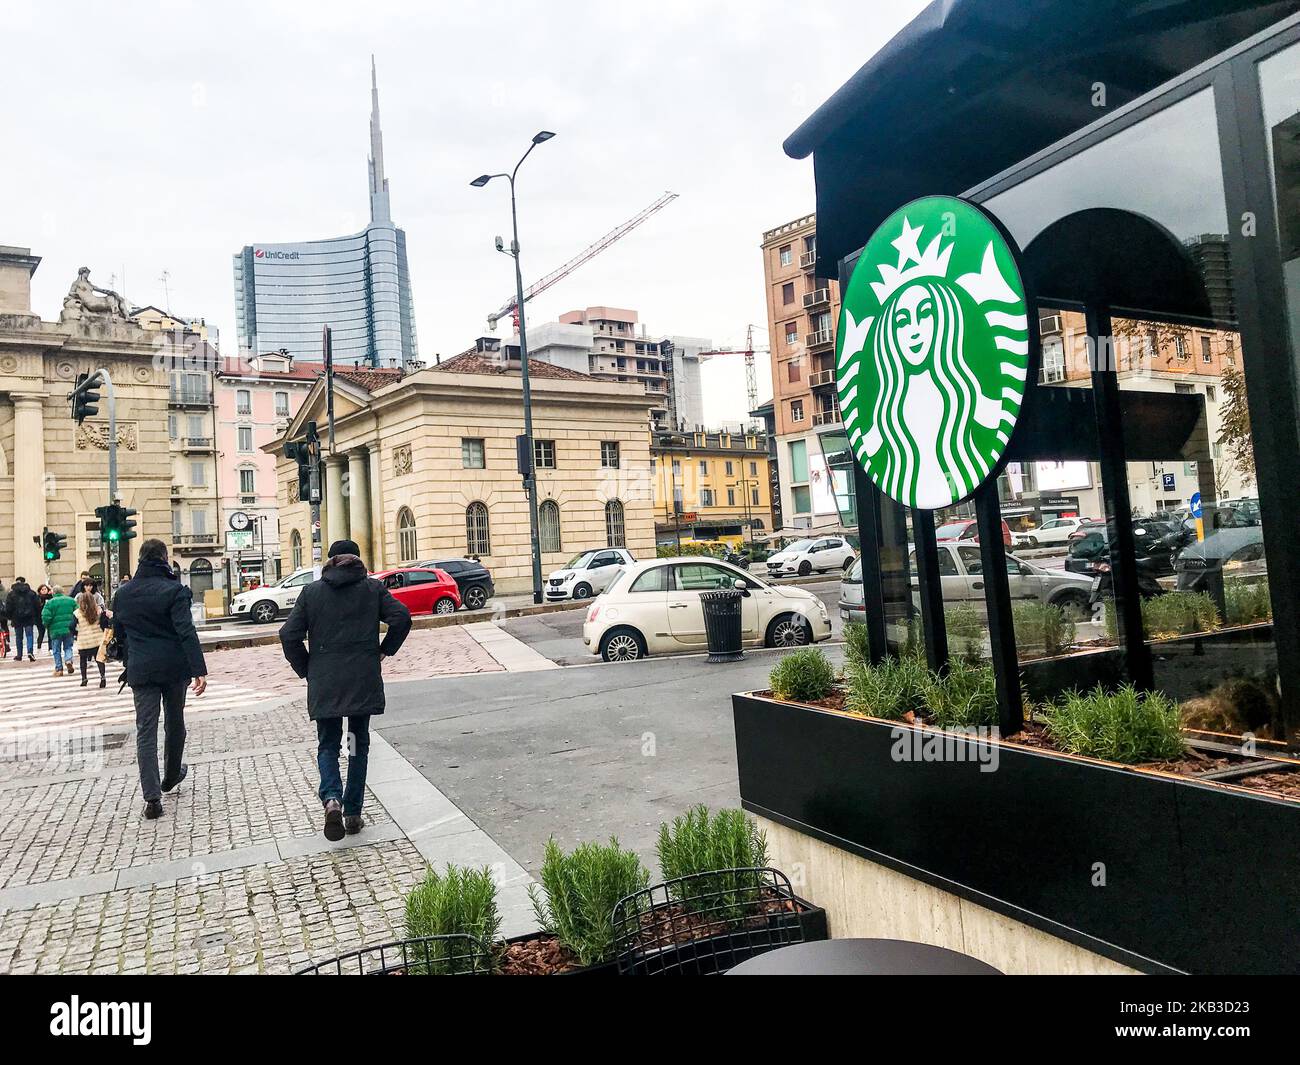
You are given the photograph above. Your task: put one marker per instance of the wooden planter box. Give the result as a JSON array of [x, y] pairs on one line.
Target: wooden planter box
[[1200, 877]]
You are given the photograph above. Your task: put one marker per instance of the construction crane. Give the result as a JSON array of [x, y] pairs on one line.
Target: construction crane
[[751, 374], [617, 233]]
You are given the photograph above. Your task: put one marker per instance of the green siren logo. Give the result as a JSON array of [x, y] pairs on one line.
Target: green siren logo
[[932, 352]]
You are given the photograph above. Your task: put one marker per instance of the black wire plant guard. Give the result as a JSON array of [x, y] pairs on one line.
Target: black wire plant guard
[[449, 955], [706, 923]]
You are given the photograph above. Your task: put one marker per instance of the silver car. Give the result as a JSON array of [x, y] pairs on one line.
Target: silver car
[[960, 571]]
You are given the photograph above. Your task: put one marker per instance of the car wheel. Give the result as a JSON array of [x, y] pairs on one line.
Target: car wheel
[[789, 630], [1031, 541], [445, 605], [622, 645], [475, 597], [264, 612], [1074, 605], [582, 591], [805, 568]]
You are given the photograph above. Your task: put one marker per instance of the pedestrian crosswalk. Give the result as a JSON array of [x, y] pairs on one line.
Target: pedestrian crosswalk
[[33, 700]]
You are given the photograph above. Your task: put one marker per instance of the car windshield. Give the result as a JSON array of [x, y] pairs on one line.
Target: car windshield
[[619, 578], [283, 581], [798, 545], [577, 561], [951, 531]]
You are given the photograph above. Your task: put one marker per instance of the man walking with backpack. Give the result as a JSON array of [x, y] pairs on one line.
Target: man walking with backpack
[[24, 607], [153, 626], [339, 617]]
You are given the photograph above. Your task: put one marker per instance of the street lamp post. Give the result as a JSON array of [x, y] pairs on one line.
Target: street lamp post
[[530, 481]]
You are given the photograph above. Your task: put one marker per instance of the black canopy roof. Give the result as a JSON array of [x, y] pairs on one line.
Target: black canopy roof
[[971, 87]]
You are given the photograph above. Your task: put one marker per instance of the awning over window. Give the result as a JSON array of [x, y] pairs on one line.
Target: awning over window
[[971, 87]]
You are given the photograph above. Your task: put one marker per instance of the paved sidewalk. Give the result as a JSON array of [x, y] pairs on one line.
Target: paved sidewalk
[[236, 876]]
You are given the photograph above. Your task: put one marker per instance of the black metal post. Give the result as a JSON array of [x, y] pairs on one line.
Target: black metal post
[[1114, 486], [933, 624], [997, 601], [873, 593]]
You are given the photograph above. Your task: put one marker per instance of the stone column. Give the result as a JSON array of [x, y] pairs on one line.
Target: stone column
[[378, 545], [28, 468], [359, 501], [337, 529]]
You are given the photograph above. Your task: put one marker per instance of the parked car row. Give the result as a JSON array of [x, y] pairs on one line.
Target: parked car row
[[439, 586]]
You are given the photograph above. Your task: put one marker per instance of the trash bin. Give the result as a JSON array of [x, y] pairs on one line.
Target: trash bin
[[722, 624]]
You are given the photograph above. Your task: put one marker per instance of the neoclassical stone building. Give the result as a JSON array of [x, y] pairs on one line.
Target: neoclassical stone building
[[54, 473], [424, 466]]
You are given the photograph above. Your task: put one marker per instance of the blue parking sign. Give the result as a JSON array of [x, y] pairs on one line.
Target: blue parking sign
[[1168, 481]]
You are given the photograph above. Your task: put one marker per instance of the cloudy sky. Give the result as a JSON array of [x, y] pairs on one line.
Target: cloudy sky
[[150, 137]]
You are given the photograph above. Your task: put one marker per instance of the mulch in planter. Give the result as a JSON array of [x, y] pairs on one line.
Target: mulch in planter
[[537, 956]]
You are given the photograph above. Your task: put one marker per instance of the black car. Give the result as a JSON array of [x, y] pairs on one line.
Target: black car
[[472, 578], [1156, 546]]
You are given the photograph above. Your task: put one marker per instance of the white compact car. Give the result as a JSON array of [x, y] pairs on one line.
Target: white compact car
[[1055, 532], [654, 607], [826, 553], [268, 603], [587, 574]]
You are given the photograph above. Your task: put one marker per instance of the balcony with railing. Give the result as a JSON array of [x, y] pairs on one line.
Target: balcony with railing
[[190, 397], [197, 443], [821, 379], [807, 260], [822, 338], [816, 298], [829, 416], [195, 539]]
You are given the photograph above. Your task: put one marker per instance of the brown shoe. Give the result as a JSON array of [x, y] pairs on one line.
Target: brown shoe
[[58, 672], [333, 821], [70, 671], [353, 824]]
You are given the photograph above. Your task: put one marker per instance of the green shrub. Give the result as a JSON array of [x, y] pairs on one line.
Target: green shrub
[[857, 651], [965, 625], [1179, 613], [963, 698], [889, 689], [1128, 726], [579, 891], [696, 843], [461, 901], [803, 675], [1043, 627], [1247, 602]]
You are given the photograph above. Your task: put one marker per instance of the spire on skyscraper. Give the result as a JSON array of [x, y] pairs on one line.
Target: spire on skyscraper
[[378, 182]]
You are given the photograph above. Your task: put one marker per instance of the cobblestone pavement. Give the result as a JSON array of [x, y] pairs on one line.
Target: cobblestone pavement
[[236, 876], [426, 653]]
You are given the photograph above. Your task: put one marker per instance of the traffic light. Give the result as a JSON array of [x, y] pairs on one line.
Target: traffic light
[[52, 545], [85, 397], [115, 523], [301, 453]]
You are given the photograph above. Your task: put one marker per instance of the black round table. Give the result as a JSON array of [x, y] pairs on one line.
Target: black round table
[[863, 957]]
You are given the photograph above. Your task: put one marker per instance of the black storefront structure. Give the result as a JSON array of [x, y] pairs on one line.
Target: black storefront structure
[[1146, 161]]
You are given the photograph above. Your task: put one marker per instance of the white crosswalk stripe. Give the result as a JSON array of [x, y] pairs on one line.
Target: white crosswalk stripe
[[33, 700]]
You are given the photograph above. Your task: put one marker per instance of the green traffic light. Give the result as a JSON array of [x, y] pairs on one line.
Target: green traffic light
[[112, 534], [49, 556]]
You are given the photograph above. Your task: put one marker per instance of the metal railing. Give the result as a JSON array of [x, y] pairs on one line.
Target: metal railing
[[826, 417], [822, 377], [820, 338], [816, 297], [807, 259]]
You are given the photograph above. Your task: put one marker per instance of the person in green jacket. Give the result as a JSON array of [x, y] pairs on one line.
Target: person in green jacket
[[57, 619]]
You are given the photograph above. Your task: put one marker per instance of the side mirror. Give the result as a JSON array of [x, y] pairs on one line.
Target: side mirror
[[740, 585]]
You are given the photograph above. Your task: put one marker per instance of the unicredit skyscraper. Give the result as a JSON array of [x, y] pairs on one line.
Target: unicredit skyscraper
[[358, 285]]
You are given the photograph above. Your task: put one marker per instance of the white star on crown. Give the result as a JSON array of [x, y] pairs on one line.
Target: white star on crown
[[933, 262]]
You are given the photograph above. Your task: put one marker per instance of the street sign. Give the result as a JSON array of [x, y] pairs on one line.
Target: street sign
[[687, 517], [1167, 479], [239, 540], [1197, 512]]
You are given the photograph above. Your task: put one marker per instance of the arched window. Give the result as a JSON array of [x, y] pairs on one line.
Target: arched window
[[478, 537], [200, 575], [614, 533], [295, 550], [548, 526], [408, 548]]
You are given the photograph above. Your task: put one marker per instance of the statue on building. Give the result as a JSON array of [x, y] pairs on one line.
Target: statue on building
[[87, 301]]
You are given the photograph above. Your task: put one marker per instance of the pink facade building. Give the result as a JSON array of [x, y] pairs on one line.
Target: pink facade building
[[254, 402]]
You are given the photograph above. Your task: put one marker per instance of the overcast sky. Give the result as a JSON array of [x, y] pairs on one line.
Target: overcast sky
[[143, 137]]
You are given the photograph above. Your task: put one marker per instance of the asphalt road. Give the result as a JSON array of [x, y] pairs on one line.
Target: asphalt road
[[578, 754], [558, 636]]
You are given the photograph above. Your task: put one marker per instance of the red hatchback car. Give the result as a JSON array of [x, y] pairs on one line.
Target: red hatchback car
[[966, 529], [422, 590]]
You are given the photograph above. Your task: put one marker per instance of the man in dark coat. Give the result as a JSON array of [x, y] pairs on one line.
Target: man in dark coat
[[339, 615], [152, 623], [23, 606]]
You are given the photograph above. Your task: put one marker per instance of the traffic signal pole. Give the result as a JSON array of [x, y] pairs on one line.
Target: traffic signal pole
[[111, 553]]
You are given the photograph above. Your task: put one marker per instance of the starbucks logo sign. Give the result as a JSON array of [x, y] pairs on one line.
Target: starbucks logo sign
[[932, 352]]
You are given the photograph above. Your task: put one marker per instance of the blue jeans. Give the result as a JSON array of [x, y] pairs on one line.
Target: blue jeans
[[329, 737], [62, 648], [19, 632]]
